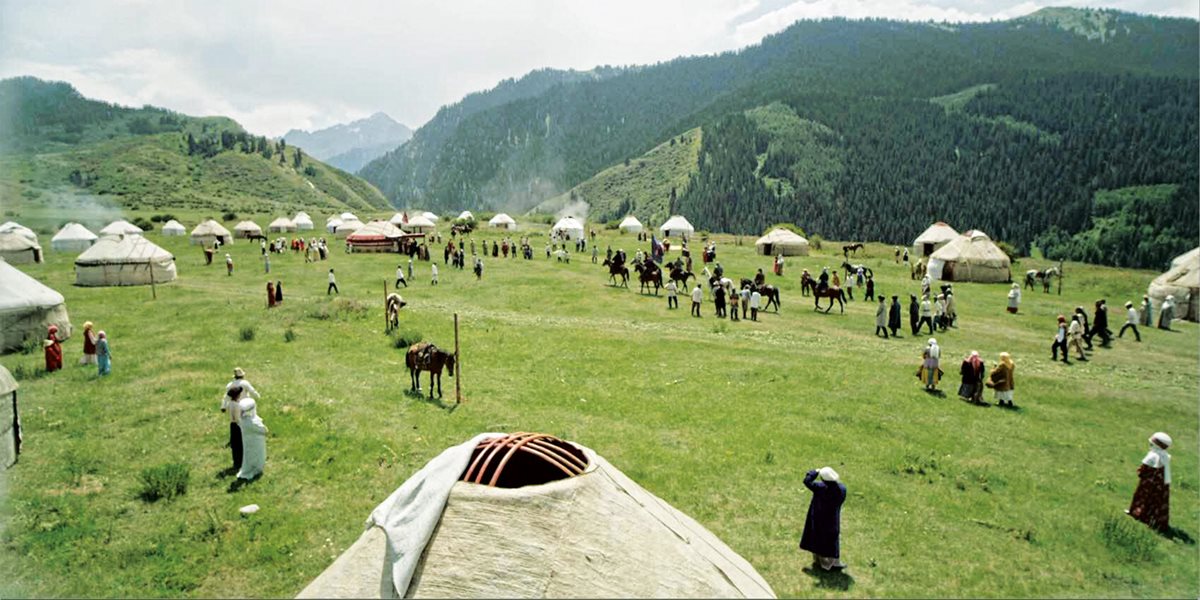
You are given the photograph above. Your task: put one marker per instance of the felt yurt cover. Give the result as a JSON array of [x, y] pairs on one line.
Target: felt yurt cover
[[676, 226], [630, 224], [502, 221], [432, 217], [418, 224], [348, 216], [247, 229], [971, 256], [121, 227], [466, 215], [398, 219], [281, 225], [937, 235], [570, 227], [376, 236], [302, 221], [782, 241], [347, 227], [1182, 281], [18, 249], [209, 231], [14, 227], [124, 260], [173, 227], [27, 308], [597, 534], [73, 237], [10, 420]]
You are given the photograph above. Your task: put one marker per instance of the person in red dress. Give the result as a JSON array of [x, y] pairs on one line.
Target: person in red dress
[[89, 345], [53, 345], [1152, 499]]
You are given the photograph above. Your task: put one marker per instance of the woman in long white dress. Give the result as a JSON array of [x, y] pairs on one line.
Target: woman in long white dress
[[254, 440]]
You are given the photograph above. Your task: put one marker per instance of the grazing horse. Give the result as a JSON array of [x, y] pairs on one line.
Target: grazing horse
[[391, 307], [769, 292], [852, 270], [649, 275], [680, 277], [616, 269], [1046, 277], [852, 249], [424, 356], [834, 293]]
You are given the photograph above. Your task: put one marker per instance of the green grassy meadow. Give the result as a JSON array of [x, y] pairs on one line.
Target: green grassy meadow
[[720, 419]]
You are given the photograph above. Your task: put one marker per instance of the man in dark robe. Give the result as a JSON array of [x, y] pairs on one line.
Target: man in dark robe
[[1100, 325], [894, 316], [823, 525], [914, 313]]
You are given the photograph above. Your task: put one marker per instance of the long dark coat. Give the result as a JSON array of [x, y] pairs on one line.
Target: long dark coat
[[823, 525], [913, 313], [894, 316]]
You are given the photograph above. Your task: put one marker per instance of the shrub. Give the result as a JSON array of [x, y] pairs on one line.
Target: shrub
[[142, 223], [815, 241], [1128, 538], [404, 337], [31, 345], [1012, 251], [164, 481], [229, 216], [289, 335], [342, 309], [247, 333], [162, 218]]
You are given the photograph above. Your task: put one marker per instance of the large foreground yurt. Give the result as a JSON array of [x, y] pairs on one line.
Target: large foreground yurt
[[303, 221], [208, 232], [502, 221], [1182, 281], [281, 225], [376, 236], [677, 226], [933, 238], [247, 229], [18, 249], [418, 224], [782, 241], [17, 228], [532, 517], [630, 224], [568, 228], [124, 260], [27, 308], [971, 256], [347, 227], [10, 420], [173, 227], [121, 227], [73, 237]]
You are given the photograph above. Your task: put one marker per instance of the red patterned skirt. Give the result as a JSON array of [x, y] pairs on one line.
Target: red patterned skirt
[[1152, 499]]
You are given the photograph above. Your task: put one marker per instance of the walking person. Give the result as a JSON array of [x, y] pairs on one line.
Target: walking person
[[823, 523], [755, 304], [1152, 499], [89, 345], [270, 295], [1001, 380], [1075, 336], [1082, 317], [930, 372], [478, 269], [278, 292], [1060, 341], [894, 322], [1131, 322], [228, 265], [1100, 324], [951, 307], [914, 313], [1014, 298], [332, 285], [870, 295], [939, 313], [697, 298], [881, 318], [672, 294], [254, 440], [926, 315], [400, 280], [433, 271], [971, 371]]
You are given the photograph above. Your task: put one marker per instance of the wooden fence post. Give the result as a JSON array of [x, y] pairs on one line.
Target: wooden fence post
[[457, 365]]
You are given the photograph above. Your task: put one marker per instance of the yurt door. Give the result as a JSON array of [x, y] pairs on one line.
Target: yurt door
[[767, 250], [928, 249]]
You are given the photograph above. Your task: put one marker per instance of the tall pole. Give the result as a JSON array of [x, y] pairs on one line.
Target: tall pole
[[1060, 276], [457, 365], [387, 324], [153, 291]]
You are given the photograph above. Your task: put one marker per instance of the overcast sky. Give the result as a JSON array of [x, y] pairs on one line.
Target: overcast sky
[[309, 64]]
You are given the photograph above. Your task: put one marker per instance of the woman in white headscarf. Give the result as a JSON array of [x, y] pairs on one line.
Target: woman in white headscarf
[[254, 440], [823, 524], [1152, 498], [929, 373], [1166, 313], [1014, 298]]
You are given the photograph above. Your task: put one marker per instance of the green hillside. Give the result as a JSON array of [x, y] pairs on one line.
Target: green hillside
[[642, 186]]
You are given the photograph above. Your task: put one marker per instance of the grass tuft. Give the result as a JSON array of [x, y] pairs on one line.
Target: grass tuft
[[1129, 539], [404, 337], [246, 334], [164, 481], [289, 335]]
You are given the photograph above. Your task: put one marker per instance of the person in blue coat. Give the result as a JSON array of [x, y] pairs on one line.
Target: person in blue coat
[[823, 525]]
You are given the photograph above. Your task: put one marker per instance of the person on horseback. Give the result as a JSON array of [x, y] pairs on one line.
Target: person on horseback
[[718, 271], [823, 280], [759, 279]]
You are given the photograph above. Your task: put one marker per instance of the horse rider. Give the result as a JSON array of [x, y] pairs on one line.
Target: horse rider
[[823, 280], [759, 279], [719, 271]]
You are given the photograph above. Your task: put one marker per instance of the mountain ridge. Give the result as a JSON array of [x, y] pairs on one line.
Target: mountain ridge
[[349, 146]]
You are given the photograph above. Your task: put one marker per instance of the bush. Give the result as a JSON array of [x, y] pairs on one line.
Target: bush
[[1012, 251], [1129, 538], [229, 216], [143, 224], [289, 335], [815, 241], [164, 481], [404, 337], [162, 218], [247, 333], [31, 345], [342, 309]]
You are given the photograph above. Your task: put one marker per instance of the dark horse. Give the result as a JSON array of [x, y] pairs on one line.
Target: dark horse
[[768, 291], [680, 277], [391, 307], [834, 294], [852, 270], [852, 249], [424, 356], [649, 275], [615, 270]]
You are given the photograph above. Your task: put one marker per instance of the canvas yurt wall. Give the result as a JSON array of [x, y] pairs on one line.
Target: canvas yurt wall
[[466, 215], [933, 238], [594, 535], [27, 308], [630, 224], [173, 227], [302, 221], [782, 241], [73, 237], [281, 225], [971, 256], [1182, 281], [332, 224], [121, 227], [677, 226], [208, 232], [502, 221], [347, 227], [246, 229], [124, 260], [18, 249], [376, 236], [568, 228], [432, 217], [10, 420]]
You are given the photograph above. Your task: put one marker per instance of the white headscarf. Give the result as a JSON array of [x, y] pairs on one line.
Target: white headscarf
[[249, 410], [828, 474], [1157, 457], [934, 350]]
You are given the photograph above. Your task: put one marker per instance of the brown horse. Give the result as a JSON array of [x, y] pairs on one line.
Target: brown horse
[[649, 275], [767, 291], [424, 356], [834, 293], [615, 270], [852, 249], [680, 277], [391, 307]]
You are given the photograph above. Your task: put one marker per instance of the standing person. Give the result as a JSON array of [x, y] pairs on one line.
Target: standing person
[[1166, 313], [930, 373], [755, 304], [897, 254], [230, 403], [881, 318], [103, 354], [971, 370], [53, 349], [905, 260], [914, 313], [734, 298], [1060, 341], [595, 253], [1075, 336], [1100, 324], [254, 440], [433, 272], [672, 294], [267, 263], [262, 244], [823, 523], [410, 268], [89, 345], [332, 284], [1131, 322], [1147, 312], [1152, 499], [925, 284], [926, 315], [939, 312], [871, 288], [228, 264], [894, 322], [779, 265], [270, 295], [951, 307], [697, 298], [745, 295], [1001, 380], [400, 280], [478, 268], [719, 300], [1014, 298], [278, 292]]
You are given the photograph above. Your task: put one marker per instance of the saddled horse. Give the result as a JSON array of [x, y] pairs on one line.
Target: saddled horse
[[852, 249], [391, 308], [834, 293], [424, 356], [852, 270], [769, 292], [1046, 277], [680, 277], [616, 269], [649, 275]]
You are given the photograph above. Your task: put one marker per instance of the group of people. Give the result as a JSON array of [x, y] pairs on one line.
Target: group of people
[[247, 432], [972, 375], [1076, 335], [96, 350], [726, 300]]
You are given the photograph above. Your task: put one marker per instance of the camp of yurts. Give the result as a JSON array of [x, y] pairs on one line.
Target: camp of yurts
[[933, 238], [73, 237], [303, 221], [281, 225], [972, 256], [124, 260], [1182, 281], [121, 227], [209, 231], [531, 516], [782, 241], [348, 216], [27, 308], [677, 226], [173, 228], [568, 228], [630, 224], [19, 229], [502, 221], [19, 249], [246, 229]]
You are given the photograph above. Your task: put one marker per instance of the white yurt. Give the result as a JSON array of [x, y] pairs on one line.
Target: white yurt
[[247, 229], [1182, 281], [347, 227], [10, 420], [281, 225], [782, 241], [568, 228], [376, 236], [124, 260], [398, 219], [208, 232], [513, 517], [466, 216], [18, 249], [677, 226], [332, 224], [933, 238], [121, 227], [27, 308], [303, 221], [418, 224], [431, 216], [348, 216], [17, 228], [630, 224], [971, 256], [502, 221], [73, 237], [173, 227]]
